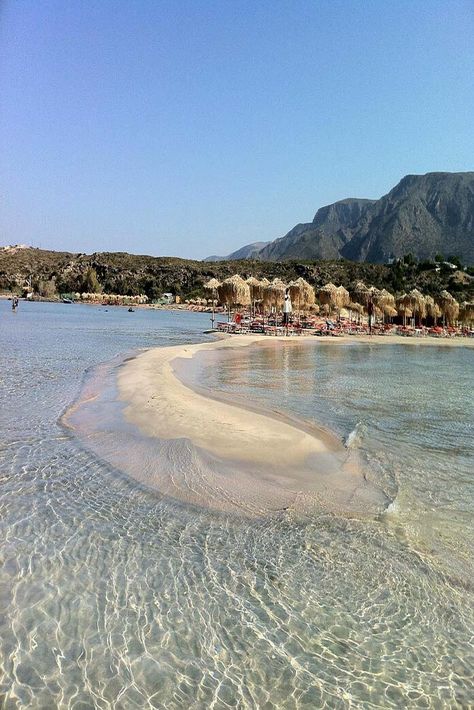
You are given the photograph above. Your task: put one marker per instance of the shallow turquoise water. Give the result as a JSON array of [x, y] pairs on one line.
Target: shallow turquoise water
[[112, 597], [408, 408]]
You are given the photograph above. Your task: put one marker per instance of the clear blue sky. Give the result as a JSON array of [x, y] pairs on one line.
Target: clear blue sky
[[191, 128]]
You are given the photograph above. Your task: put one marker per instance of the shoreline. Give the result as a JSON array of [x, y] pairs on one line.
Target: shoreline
[[391, 339], [222, 452], [257, 462], [456, 341]]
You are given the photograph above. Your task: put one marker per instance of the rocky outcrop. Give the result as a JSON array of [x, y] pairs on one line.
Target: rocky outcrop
[[423, 215]]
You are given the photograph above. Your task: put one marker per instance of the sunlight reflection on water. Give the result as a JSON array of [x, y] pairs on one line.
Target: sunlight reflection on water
[[115, 597]]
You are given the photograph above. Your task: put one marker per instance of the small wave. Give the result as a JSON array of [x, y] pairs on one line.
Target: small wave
[[393, 508], [354, 438]]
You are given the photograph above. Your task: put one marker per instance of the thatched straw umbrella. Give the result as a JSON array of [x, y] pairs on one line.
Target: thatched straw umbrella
[[264, 282], [430, 306], [432, 309], [390, 311], [234, 291], [466, 313], [384, 300], [301, 293], [451, 311], [256, 288], [403, 307], [274, 295], [449, 307], [295, 294], [406, 312], [416, 302], [328, 296], [308, 297], [342, 298], [443, 298], [256, 291], [360, 293], [212, 285], [357, 307], [354, 307], [437, 313]]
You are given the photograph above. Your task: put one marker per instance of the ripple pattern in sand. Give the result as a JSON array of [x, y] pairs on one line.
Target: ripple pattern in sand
[[114, 599]]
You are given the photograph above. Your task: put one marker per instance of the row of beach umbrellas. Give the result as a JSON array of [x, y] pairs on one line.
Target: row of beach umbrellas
[[236, 291], [110, 298]]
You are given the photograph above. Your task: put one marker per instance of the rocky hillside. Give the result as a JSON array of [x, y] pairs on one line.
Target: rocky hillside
[[424, 215], [323, 238], [53, 273]]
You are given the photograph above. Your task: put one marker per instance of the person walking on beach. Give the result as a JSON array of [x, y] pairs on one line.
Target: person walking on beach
[[287, 309]]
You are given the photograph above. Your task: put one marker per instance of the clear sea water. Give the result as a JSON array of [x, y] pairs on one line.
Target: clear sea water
[[113, 597]]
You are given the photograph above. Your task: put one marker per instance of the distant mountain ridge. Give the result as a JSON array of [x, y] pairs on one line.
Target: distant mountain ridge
[[423, 215], [249, 251], [323, 238]]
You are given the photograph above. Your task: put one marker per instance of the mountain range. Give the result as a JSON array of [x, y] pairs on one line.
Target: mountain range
[[249, 251], [424, 215]]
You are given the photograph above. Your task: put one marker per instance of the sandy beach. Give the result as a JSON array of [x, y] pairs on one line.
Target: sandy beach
[[428, 341]]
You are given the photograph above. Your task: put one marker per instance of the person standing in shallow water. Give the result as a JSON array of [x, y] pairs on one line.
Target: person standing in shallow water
[[287, 308]]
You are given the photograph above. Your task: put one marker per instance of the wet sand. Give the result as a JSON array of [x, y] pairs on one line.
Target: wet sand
[[426, 340]]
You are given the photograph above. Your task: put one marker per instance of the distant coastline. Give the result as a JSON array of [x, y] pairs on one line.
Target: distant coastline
[[54, 274]]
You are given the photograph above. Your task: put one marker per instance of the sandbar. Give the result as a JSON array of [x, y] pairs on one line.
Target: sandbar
[[244, 459]]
